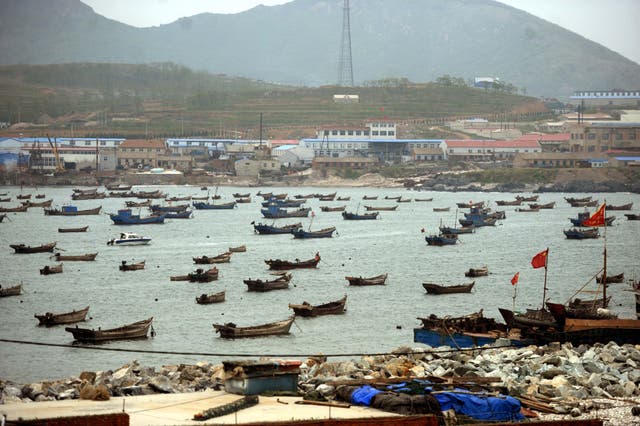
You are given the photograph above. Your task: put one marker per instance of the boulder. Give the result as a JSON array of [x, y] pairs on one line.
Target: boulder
[[88, 376], [161, 384]]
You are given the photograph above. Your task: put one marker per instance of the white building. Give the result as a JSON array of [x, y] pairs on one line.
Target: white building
[[293, 155]]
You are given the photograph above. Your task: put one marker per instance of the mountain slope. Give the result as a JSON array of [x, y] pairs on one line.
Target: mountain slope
[[298, 43]]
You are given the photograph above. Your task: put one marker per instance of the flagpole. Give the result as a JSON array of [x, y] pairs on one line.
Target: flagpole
[[544, 289]]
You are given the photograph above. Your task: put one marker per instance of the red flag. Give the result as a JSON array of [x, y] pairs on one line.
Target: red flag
[[515, 278], [540, 259], [596, 219]]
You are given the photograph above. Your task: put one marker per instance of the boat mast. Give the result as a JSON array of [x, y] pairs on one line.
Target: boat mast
[[544, 288], [604, 270]]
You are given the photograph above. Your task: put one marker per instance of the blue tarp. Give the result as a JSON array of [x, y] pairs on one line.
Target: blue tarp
[[364, 395], [479, 407]]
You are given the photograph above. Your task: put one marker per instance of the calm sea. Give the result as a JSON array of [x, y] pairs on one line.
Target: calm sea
[[378, 318]]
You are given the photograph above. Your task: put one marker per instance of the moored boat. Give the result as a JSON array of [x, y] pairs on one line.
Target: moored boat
[[531, 198], [126, 217], [581, 234], [18, 209], [371, 197], [462, 230], [441, 209], [136, 330], [207, 260], [306, 309], [273, 212], [332, 209], [442, 239], [22, 248], [632, 216], [10, 291], [274, 230], [238, 249], [50, 318], [433, 288], [48, 270], [199, 205], [381, 208], [509, 203], [82, 229], [365, 216], [231, 330], [124, 266], [322, 233], [361, 281], [202, 276], [477, 272], [71, 211], [207, 299], [81, 257], [129, 239], [41, 204], [546, 206], [611, 278], [280, 283], [280, 265], [627, 206]]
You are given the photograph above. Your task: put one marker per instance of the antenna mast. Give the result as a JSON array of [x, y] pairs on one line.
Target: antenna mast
[[345, 65]]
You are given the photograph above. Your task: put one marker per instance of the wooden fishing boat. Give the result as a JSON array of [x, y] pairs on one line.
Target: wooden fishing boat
[[21, 248], [208, 260], [238, 195], [207, 299], [330, 197], [281, 265], [71, 211], [45, 203], [18, 209], [238, 249], [360, 281], [365, 216], [381, 208], [2, 216], [462, 230], [432, 288], [179, 278], [403, 200], [231, 331], [422, 199], [546, 206], [90, 196], [118, 187], [138, 203], [442, 239], [10, 291], [306, 309], [156, 208], [611, 278], [579, 200], [581, 234], [185, 214], [23, 196], [627, 206], [50, 318], [82, 229], [124, 266], [441, 209], [372, 197], [470, 204], [202, 276], [126, 217], [283, 204], [136, 330], [477, 272], [515, 202], [538, 318], [273, 230], [149, 194], [48, 270], [478, 221], [582, 216], [529, 210], [206, 206], [265, 196], [280, 283], [301, 197], [395, 197], [632, 216], [322, 233], [173, 199], [5, 200], [531, 198], [243, 200], [84, 191], [592, 203], [81, 257], [274, 212], [343, 198], [333, 209], [579, 331]]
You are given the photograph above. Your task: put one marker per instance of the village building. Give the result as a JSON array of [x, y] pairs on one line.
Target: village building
[[326, 163], [256, 168], [603, 137], [488, 150], [139, 153], [293, 156]]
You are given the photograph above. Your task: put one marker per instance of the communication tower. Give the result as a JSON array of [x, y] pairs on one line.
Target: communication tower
[[345, 65]]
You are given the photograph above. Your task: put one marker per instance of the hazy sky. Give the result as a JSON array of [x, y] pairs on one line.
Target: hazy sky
[[612, 23]]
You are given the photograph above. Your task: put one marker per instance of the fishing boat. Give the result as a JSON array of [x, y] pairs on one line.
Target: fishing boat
[[179, 278], [372, 197], [5, 200], [207, 299], [343, 198], [81, 257], [581, 234], [403, 200], [273, 230], [632, 216], [579, 200], [149, 194], [82, 229], [129, 239], [441, 239], [395, 197], [243, 200], [208, 260], [477, 272], [583, 216], [238, 195], [231, 331], [546, 206], [156, 208], [44, 203], [322, 233], [356, 216], [611, 278], [591, 203], [138, 203], [22, 248], [186, 214], [10, 291], [280, 283], [332, 209], [360, 281], [19, 209], [531, 198], [471, 204], [305, 309], [50, 318], [281, 265], [441, 209], [125, 217], [202, 276], [273, 212], [303, 197], [88, 196], [515, 202], [124, 266], [23, 196], [199, 205], [327, 197], [238, 249], [433, 288], [529, 210], [174, 199], [48, 270], [72, 211], [136, 330], [531, 318], [282, 203], [422, 199], [118, 187], [381, 208], [462, 230]]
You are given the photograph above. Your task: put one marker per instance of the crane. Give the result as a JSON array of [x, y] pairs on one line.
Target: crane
[[59, 165]]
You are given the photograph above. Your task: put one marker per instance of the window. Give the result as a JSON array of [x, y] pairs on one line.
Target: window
[[391, 132], [618, 136], [451, 151], [87, 143], [326, 133], [366, 133], [383, 133], [334, 132], [374, 133], [591, 136], [604, 148], [103, 143], [358, 132], [605, 136], [591, 148], [72, 143], [632, 135], [350, 132], [141, 149], [343, 132]]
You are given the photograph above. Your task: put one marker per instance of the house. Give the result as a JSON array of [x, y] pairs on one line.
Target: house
[[427, 154], [488, 150], [139, 153], [600, 137], [552, 160], [256, 168], [293, 156]]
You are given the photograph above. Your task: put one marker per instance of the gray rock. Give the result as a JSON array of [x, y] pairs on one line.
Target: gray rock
[[551, 373], [575, 412], [132, 390], [161, 384], [72, 393], [325, 390], [13, 391]]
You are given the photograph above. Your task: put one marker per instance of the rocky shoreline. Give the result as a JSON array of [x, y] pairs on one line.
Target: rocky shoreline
[[576, 382]]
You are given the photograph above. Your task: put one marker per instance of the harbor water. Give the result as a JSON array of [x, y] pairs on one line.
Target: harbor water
[[378, 318]]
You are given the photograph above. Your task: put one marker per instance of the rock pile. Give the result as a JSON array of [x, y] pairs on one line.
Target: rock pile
[[567, 376]]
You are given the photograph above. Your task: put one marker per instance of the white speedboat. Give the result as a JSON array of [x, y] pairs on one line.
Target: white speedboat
[[129, 239]]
